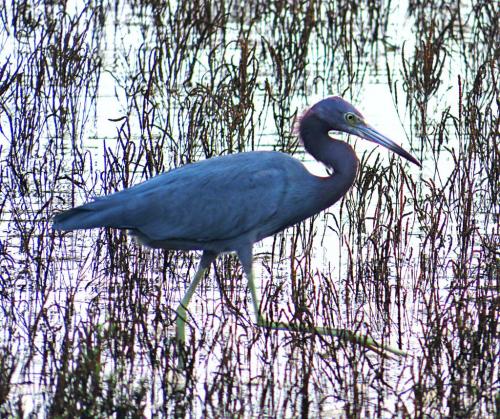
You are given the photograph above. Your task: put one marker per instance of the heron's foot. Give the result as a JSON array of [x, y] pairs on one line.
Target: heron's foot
[[347, 335], [176, 381]]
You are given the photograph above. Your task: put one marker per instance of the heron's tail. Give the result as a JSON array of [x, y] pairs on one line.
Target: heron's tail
[[99, 213], [74, 219]]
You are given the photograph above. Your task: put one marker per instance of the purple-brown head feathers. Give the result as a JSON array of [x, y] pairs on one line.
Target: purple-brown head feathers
[[336, 114]]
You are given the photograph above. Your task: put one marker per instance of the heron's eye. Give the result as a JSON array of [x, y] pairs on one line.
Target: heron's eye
[[350, 117]]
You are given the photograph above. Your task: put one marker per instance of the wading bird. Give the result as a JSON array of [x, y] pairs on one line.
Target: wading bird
[[228, 203]]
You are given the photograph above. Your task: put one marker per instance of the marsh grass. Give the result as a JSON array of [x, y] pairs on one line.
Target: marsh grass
[[408, 257]]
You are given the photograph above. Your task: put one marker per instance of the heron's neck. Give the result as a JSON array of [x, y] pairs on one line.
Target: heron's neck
[[335, 154]]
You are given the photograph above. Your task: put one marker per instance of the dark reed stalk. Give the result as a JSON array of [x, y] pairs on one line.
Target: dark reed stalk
[[406, 256]]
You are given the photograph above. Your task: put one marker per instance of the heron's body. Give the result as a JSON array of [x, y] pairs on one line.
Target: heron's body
[[228, 203], [159, 212]]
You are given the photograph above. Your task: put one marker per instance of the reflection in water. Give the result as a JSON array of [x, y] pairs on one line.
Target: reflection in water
[[97, 97]]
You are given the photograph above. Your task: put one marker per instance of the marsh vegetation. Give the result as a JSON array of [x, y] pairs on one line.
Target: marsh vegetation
[[98, 95]]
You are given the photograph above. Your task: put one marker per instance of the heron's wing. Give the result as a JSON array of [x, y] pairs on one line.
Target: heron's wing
[[206, 205], [217, 199]]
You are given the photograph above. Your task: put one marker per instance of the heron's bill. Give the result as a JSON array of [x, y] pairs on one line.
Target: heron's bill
[[371, 134]]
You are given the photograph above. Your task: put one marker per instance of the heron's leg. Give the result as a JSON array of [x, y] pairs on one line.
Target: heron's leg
[[245, 255], [206, 259]]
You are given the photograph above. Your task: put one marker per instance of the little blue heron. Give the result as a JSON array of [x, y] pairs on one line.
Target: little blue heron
[[228, 203]]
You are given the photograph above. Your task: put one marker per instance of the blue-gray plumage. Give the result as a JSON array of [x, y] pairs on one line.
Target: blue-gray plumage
[[228, 203]]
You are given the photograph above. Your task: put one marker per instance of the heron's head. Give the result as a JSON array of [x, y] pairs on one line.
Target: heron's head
[[340, 115]]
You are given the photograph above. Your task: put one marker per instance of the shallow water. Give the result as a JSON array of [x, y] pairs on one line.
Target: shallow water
[[99, 96]]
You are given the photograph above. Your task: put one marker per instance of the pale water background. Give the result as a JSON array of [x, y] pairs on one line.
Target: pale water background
[[98, 96]]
